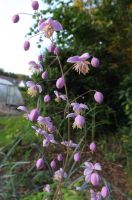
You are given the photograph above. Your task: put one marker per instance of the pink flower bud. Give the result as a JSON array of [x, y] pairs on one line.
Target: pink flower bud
[[60, 157], [79, 121], [95, 179], [77, 157], [44, 75], [47, 98], [60, 82], [56, 50], [105, 192], [92, 147], [35, 5], [33, 115], [95, 62], [15, 18], [53, 164], [26, 45], [51, 48], [40, 163], [98, 96], [40, 58]]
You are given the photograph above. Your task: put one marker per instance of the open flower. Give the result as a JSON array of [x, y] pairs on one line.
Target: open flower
[[60, 174], [95, 195], [79, 120], [33, 89], [34, 67], [69, 144], [59, 96], [78, 107], [49, 26], [30, 115], [90, 172], [80, 63]]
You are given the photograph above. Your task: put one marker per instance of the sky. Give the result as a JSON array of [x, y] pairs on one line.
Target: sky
[[12, 36]]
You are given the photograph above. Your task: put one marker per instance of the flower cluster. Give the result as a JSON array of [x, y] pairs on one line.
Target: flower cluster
[[44, 125]]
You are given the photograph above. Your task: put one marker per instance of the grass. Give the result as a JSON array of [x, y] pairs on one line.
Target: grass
[[12, 126]]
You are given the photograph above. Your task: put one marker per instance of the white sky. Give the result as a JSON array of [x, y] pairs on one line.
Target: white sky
[[12, 36]]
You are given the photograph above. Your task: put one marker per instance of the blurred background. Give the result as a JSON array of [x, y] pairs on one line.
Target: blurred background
[[101, 28]]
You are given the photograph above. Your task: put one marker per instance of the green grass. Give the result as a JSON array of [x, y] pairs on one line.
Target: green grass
[[11, 126]]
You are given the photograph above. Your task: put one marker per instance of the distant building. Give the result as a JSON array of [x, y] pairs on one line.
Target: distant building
[[9, 92]]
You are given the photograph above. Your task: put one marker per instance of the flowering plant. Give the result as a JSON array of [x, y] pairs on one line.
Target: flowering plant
[[68, 167]]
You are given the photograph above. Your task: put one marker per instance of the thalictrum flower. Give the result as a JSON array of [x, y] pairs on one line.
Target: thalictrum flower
[[98, 96], [95, 178], [95, 62], [79, 122], [77, 157], [69, 144], [47, 98], [60, 174], [60, 157], [40, 163], [35, 5], [105, 192], [15, 18], [80, 63], [26, 45], [90, 169], [60, 82], [34, 67], [33, 89], [95, 195], [92, 147], [33, 115], [53, 164], [78, 107], [40, 58], [44, 75], [59, 96], [56, 50], [46, 188], [49, 26], [51, 48]]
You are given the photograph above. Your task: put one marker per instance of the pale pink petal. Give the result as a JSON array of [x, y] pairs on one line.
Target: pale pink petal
[[71, 115], [56, 25], [73, 59], [84, 56], [97, 166], [30, 83], [23, 108]]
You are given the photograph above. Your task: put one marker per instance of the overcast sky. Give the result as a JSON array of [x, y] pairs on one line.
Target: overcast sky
[[12, 36]]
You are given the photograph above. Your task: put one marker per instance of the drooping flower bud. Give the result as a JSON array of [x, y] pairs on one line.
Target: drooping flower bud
[[95, 179], [79, 121], [35, 5], [98, 96], [92, 147], [40, 58], [56, 50], [95, 62], [40, 163], [77, 157], [44, 75], [60, 157], [15, 18], [60, 82], [47, 98], [26, 45], [33, 115], [51, 48], [105, 192], [53, 164]]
